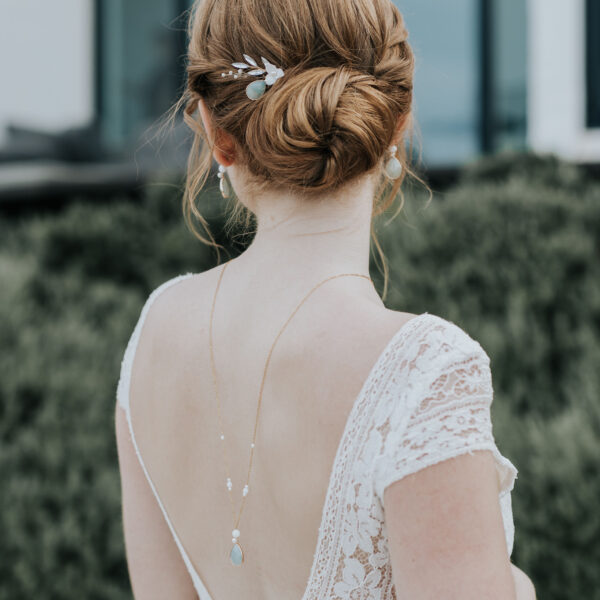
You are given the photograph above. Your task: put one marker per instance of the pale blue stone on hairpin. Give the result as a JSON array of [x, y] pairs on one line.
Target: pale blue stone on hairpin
[[257, 88]]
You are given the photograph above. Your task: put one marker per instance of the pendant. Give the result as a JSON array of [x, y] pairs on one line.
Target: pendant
[[224, 187], [236, 555], [393, 168]]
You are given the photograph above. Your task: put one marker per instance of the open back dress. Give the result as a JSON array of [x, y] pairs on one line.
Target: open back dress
[[426, 399]]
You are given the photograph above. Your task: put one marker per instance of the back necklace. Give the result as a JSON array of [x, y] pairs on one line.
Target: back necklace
[[237, 555]]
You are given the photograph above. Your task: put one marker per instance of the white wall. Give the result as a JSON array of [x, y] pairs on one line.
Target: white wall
[[556, 81], [46, 63]]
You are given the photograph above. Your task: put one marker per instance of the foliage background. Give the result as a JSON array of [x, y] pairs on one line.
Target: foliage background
[[511, 254]]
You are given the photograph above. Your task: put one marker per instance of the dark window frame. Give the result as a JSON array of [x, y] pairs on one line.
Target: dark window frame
[[486, 77], [592, 64]]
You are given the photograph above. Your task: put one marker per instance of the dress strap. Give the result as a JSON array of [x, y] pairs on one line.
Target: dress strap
[[123, 389]]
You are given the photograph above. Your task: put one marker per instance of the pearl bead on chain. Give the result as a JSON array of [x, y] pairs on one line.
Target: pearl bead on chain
[[228, 481]]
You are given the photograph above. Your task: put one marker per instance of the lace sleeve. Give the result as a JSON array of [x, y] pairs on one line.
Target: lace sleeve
[[446, 413]]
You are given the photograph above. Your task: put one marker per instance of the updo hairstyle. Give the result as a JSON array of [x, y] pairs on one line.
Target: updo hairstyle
[[331, 117]]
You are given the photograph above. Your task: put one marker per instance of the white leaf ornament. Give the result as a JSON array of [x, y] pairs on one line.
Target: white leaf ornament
[[257, 88]]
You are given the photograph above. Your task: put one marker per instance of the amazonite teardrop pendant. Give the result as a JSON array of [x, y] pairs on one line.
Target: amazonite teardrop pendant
[[236, 555]]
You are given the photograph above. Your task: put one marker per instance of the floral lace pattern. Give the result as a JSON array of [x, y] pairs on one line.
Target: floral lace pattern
[[426, 399]]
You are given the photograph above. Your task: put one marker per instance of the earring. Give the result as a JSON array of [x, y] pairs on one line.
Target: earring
[[393, 167], [223, 185]]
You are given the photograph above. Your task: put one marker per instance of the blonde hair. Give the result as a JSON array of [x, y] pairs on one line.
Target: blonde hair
[[348, 80]]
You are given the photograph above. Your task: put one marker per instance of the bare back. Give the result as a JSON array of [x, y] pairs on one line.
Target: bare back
[[316, 372]]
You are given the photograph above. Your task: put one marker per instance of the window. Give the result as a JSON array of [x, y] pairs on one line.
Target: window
[[140, 48], [509, 74], [592, 59], [446, 101], [470, 76]]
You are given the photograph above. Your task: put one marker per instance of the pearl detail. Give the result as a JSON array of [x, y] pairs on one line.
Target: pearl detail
[[245, 490], [223, 185], [235, 533], [222, 437], [393, 167], [252, 445]]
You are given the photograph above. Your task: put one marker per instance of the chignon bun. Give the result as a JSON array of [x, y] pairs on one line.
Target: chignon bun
[[344, 99], [348, 79], [318, 128]]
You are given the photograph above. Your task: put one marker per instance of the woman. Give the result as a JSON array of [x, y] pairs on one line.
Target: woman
[[281, 433]]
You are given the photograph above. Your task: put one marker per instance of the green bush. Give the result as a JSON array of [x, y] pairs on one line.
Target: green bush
[[511, 254], [518, 264], [72, 288]]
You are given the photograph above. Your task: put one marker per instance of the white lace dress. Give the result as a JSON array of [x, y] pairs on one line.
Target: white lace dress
[[426, 399]]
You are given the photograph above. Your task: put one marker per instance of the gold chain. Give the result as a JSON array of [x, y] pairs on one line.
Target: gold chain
[[225, 456]]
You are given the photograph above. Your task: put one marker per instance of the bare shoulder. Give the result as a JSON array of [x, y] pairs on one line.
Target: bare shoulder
[[173, 291], [440, 330], [372, 331], [175, 297], [398, 319]]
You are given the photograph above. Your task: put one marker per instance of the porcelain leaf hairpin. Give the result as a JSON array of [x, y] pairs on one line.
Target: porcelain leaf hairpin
[[257, 88]]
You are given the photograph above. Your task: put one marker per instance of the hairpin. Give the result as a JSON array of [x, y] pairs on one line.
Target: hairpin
[[257, 88]]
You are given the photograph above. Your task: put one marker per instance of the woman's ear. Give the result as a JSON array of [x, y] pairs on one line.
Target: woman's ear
[[222, 142]]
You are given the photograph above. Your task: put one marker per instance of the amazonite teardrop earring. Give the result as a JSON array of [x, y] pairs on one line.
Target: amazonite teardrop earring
[[393, 167], [223, 185]]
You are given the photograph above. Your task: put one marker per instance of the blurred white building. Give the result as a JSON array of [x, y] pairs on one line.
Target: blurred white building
[[46, 58], [564, 78], [490, 74]]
